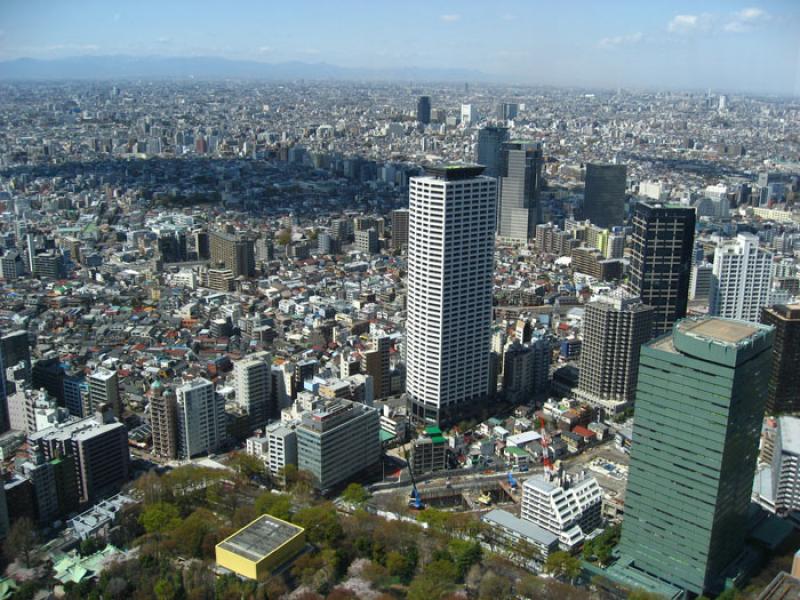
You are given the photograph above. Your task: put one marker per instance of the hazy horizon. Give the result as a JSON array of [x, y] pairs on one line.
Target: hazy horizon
[[748, 47]]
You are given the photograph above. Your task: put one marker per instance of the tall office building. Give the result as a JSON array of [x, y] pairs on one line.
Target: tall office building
[[424, 109], [450, 277], [338, 440], [520, 183], [400, 229], [741, 279], [200, 418], [103, 389], [253, 379], [604, 194], [232, 252], [490, 149], [526, 370], [468, 115], [784, 382], [661, 260], [375, 363], [699, 406], [614, 329]]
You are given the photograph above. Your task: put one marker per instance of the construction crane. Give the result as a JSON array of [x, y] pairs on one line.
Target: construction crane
[[512, 482], [414, 500]]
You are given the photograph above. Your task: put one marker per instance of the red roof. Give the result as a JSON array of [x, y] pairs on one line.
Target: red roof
[[583, 431]]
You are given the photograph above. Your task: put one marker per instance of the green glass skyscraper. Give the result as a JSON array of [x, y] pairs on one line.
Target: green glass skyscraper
[[699, 405]]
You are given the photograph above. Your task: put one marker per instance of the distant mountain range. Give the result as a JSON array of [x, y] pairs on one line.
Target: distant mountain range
[[204, 67]]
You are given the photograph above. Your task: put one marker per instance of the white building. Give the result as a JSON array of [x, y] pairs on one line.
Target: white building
[[450, 276], [777, 484], [253, 380], [201, 418], [103, 389], [468, 115], [568, 509], [282, 447], [741, 279]]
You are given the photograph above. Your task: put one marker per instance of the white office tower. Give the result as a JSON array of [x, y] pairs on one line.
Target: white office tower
[[103, 389], [468, 115], [450, 278], [253, 378], [777, 484], [741, 279], [570, 509], [201, 418]]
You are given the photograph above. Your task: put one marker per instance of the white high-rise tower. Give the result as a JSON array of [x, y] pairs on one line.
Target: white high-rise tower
[[741, 279], [450, 275]]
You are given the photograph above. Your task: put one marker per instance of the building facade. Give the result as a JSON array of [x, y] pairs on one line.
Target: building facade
[[200, 418], [661, 260], [520, 184], [604, 194], [450, 278], [784, 382], [741, 279], [699, 406]]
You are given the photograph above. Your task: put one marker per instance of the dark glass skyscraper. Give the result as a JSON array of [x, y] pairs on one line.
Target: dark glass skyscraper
[[520, 183], [424, 109], [699, 405], [784, 382], [661, 260], [604, 195], [490, 149]]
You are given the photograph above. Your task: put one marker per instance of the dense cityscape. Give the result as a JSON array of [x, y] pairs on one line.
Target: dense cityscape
[[332, 339]]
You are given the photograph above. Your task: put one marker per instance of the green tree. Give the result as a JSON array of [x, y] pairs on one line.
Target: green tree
[[246, 465], [428, 587], [284, 236], [321, 523], [640, 594], [465, 554], [355, 493], [190, 533], [21, 540], [277, 505], [563, 566], [165, 589], [160, 517]]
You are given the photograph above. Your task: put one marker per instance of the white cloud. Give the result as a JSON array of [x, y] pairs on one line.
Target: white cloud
[[81, 47], [745, 19], [621, 40], [508, 17], [689, 23], [450, 18], [164, 39], [265, 50], [116, 17]]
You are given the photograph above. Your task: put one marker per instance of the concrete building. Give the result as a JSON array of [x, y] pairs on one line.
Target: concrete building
[[777, 484], [604, 194], [253, 381], [569, 509], [232, 252], [741, 279], [400, 229], [367, 241], [490, 149], [200, 418], [661, 260], [260, 548], [375, 362], [163, 418], [504, 533], [520, 184], [282, 443], [98, 446], [614, 329], [699, 407], [429, 452], [700, 282], [784, 381], [526, 369], [103, 389], [337, 440], [450, 278]]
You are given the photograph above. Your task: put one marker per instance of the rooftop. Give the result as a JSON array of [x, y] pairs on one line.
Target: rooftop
[[454, 172], [525, 528], [790, 434], [720, 330], [260, 538]]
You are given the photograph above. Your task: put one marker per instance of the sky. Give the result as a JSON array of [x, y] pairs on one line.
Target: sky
[[723, 45]]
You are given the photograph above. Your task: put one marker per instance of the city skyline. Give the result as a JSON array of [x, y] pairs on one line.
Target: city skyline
[[725, 46]]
